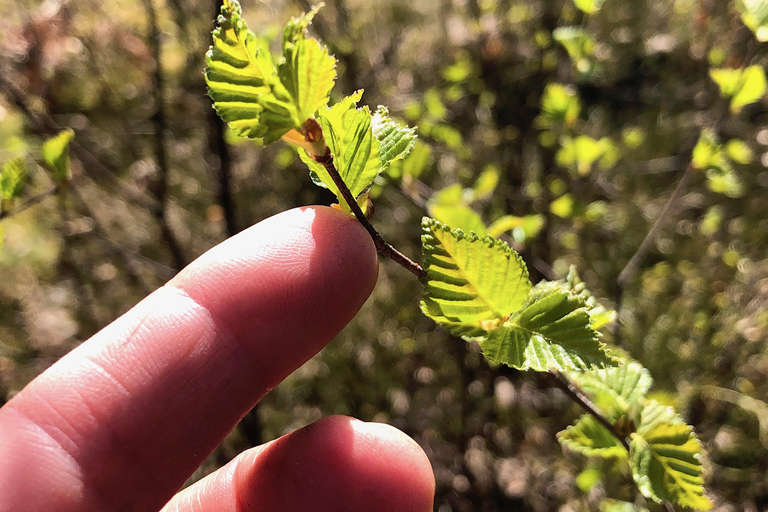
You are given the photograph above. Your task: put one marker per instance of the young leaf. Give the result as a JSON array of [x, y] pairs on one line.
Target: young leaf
[[485, 184], [588, 437], [395, 141], [552, 330], [258, 99], [56, 155], [598, 314], [589, 6], [559, 104], [664, 456], [12, 178], [308, 71], [470, 280], [616, 391], [523, 228]]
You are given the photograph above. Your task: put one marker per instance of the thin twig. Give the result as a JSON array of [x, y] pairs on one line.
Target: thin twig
[[578, 396], [160, 188], [631, 267], [29, 203], [382, 246]]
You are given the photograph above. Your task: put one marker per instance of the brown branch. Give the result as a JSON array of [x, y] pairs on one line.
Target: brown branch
[[382, 246], [160, 186], [629, 270], [29, 203], [578, 396]]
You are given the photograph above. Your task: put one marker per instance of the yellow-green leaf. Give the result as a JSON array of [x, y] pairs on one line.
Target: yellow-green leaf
[[55, 153], [665, 459], [470, 280], [754, 14], [741, 86], [12, 177], [588, 437]]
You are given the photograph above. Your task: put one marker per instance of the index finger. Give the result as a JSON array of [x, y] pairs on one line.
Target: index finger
[[124, 419]]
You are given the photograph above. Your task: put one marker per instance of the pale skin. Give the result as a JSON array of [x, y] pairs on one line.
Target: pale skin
[[122, 421]]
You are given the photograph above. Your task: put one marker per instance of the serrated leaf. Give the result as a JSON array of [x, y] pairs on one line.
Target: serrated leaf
[[552, 330], [470, 280], [588, 437], [55, 153], [665, 459], [12, 177], [598, 314], [754, 14], [308, 70], [261, 100], [395, 141], [616, 391]]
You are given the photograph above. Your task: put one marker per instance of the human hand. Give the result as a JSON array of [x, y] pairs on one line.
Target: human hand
[[124, 419]]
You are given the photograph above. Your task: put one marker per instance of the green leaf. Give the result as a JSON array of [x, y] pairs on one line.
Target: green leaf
[[470, 280], [562, 206], [485, 184], [523, 228], [754, 14], [349, 135], [589, 6], [665, 459], [616, 391], [448, 207], [742, 86], [583, 152], [559, 104], [419, 159], [739, 151], [579, 45], [261, 100], [588, 437], [620, 506], [552, 330], [56, 155], [12, 178], [599, 315], [395, 141], [308, 71]]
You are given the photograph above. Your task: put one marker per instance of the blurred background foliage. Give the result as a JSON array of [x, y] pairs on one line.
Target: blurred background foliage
[[569, 127]]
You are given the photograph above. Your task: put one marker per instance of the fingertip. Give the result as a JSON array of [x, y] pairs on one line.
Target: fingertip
[[338, 464]]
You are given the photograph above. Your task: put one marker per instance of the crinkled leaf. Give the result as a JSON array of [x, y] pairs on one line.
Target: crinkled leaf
[[598, 314], [588, 437], [395, 141], [470, 280], [308, 70], [12, 177], [55, 153], [665, 459], [754, 14], [616, 391], [261, 100], [552, 330]]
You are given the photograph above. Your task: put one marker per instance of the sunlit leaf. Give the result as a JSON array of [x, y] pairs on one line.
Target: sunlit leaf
[[396, 141], [598, 314], [485, 184], [419, 159], [579, 45], [55, 153], [552, 330], [470, 279], [588, 437], [583, 152], [754, 14], [559, 104], [523, 228], [665, 459], [12, 177], [608, 505], [742, 86], [562, 206], [589, 6], [738, 151], [258, 98], [616, 391]]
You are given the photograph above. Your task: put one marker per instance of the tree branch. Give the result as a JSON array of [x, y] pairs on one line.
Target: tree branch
[[578, 396], [382, 246], [160, 186]]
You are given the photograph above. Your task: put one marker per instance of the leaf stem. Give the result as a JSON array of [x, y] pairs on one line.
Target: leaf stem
[[382, 246], [578, 396]]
